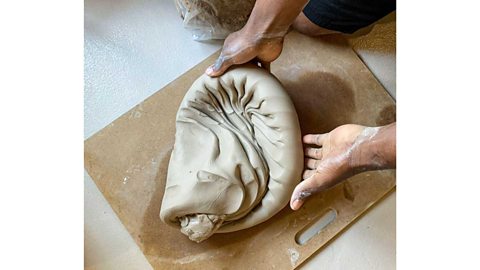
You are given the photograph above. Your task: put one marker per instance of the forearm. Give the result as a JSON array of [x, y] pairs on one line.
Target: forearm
[[375, 149], [272, 18]]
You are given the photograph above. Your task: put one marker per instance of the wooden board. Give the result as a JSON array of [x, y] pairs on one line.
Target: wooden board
[[128, 161]]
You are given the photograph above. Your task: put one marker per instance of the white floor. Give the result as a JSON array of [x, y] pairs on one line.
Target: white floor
[[134, 48]]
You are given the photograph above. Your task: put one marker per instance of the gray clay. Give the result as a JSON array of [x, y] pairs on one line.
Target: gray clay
[[237, 155]]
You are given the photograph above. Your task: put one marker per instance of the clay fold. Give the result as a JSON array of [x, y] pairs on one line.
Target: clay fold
[[237, 155]]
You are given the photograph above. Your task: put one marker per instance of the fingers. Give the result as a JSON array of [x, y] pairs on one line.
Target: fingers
[[220, 66], [315, 183], [315, 153], [241, 47], [317, 139], [311, 163], [223, 63], [307, 173]]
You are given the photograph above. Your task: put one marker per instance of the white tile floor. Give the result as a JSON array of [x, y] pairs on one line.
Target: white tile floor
[[134, 48]]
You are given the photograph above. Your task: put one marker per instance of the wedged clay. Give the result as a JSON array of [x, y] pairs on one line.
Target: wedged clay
[[237, 156]]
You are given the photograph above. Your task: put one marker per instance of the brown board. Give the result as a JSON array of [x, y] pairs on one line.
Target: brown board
[[128, 161]]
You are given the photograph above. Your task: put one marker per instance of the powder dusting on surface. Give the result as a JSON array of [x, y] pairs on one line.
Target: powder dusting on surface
[[294, 256]]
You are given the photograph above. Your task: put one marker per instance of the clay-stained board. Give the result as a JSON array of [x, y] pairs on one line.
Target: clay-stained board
[[128, 161]]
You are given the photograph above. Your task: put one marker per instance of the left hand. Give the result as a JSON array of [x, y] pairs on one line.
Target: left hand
[[243, 46]]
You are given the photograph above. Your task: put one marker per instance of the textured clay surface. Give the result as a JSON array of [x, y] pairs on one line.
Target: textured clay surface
[[237, 155]]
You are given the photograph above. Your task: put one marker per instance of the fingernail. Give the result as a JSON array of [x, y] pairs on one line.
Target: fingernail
[[296, 204], [209, 70]]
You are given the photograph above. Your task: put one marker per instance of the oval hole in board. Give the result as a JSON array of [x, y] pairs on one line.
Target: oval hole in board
[[315, 227]]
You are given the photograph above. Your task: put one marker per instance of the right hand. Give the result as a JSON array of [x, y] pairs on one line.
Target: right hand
[[243, 46], [329, 162], [341, 153]]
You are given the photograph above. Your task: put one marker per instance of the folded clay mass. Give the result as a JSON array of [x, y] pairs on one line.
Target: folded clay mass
[[237, 155]]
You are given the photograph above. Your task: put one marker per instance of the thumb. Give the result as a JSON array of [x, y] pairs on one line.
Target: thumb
[[220, 66], [314, 184]]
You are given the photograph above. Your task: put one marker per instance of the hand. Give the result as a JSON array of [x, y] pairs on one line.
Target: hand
[[337, 157], [243, 46]]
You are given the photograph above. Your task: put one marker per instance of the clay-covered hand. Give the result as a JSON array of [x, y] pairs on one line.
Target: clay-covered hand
[[244, 46], [261, 39], [341, 153]]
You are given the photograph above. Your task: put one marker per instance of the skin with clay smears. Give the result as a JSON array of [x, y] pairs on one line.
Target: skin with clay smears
[[237, 156]]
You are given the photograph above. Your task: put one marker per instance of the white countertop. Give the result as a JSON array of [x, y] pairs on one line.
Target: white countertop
[[134, 48]]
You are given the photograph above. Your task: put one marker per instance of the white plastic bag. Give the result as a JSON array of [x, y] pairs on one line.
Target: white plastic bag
[[214, 19]]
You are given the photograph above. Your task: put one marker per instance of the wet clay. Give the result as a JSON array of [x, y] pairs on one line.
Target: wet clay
[[237, 155]]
